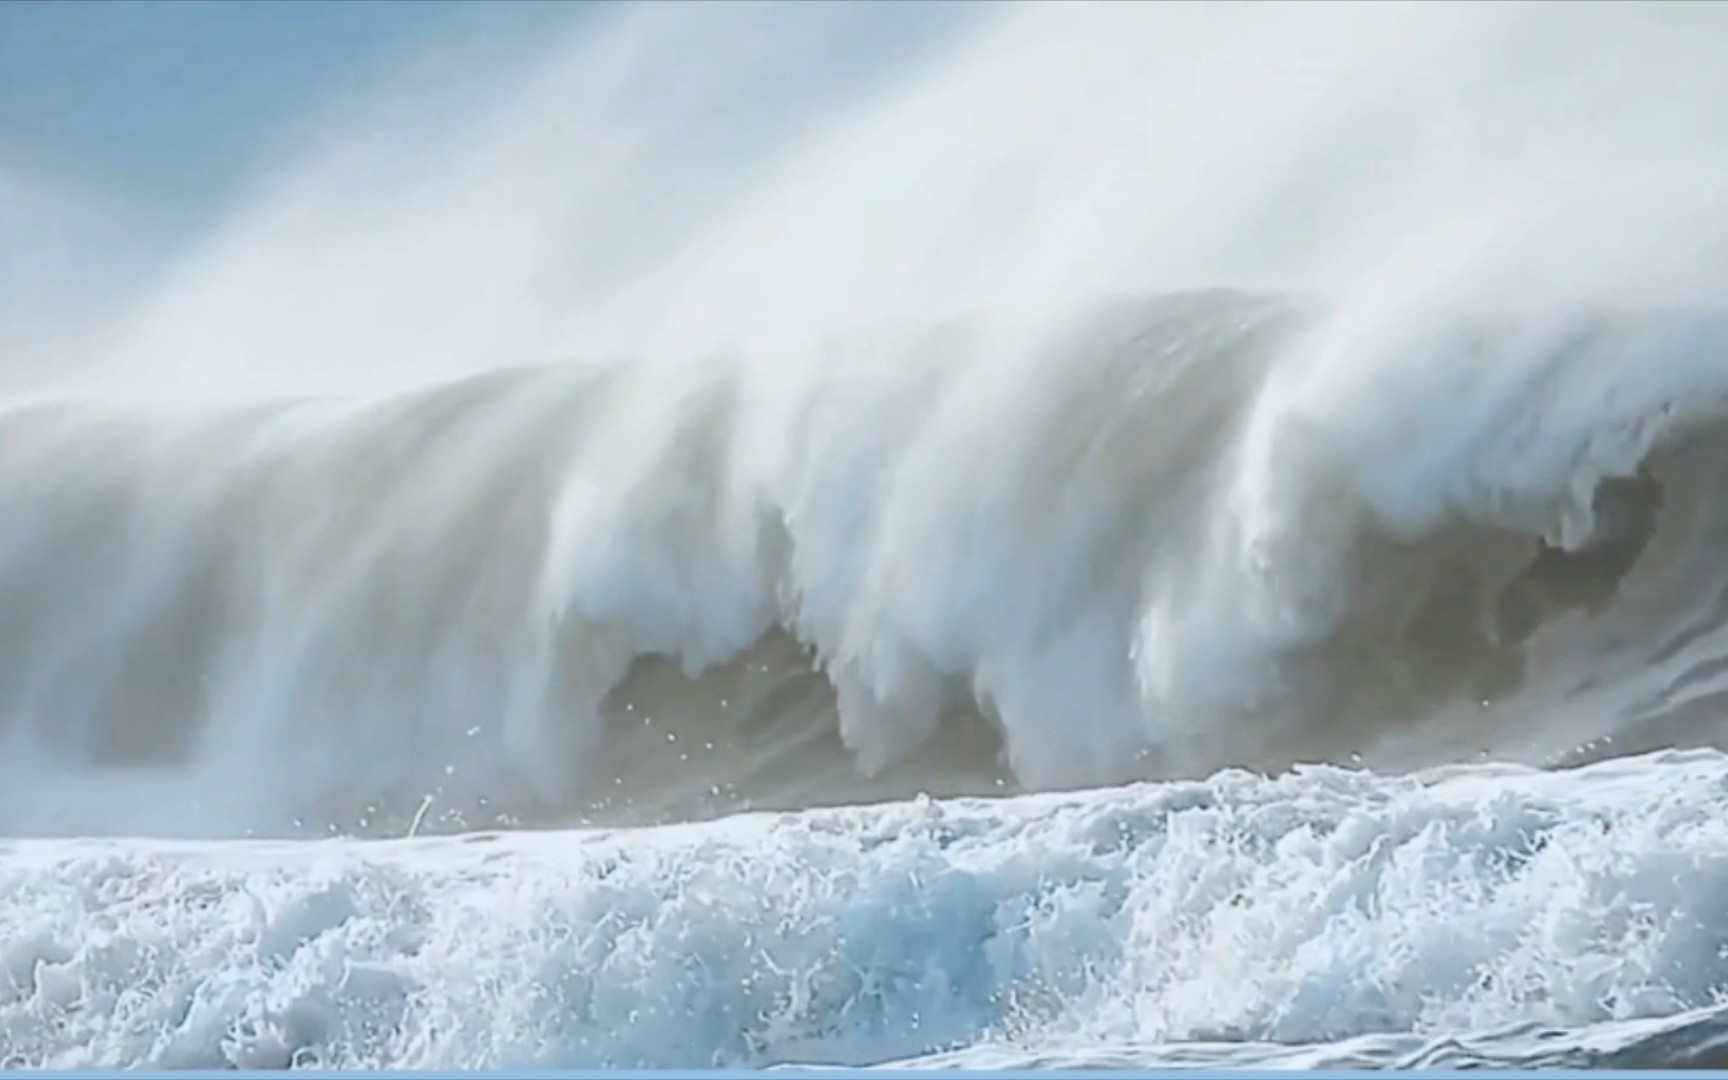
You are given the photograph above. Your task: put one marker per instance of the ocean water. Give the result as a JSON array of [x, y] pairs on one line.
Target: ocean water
[[988, 561]]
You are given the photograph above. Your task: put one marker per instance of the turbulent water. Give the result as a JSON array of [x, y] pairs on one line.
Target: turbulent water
[[1167, 543], [1054, 669]]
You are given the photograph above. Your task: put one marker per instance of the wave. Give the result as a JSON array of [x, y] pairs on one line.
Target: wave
[[1329, 916], [1161, 537]]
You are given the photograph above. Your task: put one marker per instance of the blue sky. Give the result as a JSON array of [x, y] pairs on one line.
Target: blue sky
[[164, 108], [163, 104]]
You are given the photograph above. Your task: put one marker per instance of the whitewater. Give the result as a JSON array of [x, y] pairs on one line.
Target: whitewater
[[990, 561]]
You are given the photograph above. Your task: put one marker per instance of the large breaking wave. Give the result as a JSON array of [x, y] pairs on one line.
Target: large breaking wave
[[1177, 534], [410, 494]]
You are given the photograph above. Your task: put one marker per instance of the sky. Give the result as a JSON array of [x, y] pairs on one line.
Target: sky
[[168, 103], [193, 185]]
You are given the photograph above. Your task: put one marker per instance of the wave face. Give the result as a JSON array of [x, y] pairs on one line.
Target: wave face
[[1168, 539]]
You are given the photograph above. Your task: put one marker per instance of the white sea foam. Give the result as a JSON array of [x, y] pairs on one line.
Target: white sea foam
[[1317, 907]]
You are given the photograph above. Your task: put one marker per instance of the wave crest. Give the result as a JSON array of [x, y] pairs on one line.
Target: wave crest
[[1173, 535]]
